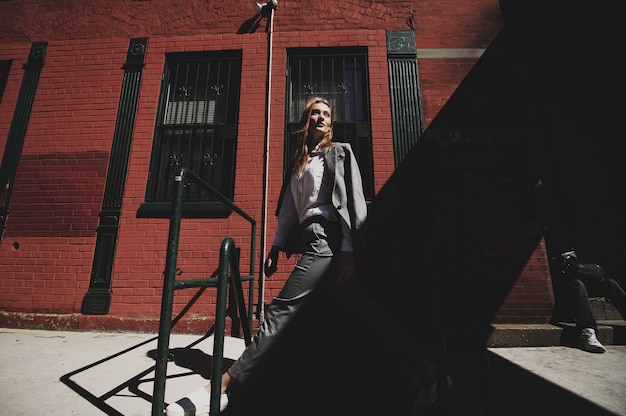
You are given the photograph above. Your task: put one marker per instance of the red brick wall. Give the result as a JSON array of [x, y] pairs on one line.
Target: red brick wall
[[200, 239], [47, 250], [47, 247]]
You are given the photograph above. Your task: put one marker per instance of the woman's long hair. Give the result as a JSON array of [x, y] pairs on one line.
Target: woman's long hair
[[302, 152]]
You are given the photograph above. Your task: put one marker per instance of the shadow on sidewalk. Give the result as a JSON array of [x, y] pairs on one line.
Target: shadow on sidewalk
[[99, 401], [521, 392], [193, 359], [336, 372]]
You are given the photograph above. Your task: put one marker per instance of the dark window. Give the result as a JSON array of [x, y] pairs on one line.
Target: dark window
[[197, 125], [5, 66], [340, 75]]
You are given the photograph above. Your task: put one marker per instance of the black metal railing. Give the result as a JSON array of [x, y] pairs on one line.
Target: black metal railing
[[229, 262]]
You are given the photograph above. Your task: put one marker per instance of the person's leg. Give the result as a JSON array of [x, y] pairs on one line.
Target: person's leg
[[310, 270], [294, 295], [392, 341], [388, 335], [615, 293], [313, 267], [584, 313], [585, 321]]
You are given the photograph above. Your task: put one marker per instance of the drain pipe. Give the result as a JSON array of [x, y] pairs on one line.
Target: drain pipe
[[266, 9]]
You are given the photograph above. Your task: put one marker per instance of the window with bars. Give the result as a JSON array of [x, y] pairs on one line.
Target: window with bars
[[341, 76], [196, 126], [5, 66]]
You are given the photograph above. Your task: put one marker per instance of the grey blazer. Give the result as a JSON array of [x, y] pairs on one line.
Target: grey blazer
[[341, 169], [347, 198]]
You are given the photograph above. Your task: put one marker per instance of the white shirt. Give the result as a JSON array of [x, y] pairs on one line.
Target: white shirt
[[307, 196]]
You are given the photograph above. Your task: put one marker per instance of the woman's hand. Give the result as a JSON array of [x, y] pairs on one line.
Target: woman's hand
[[346, 266], [271, 262]]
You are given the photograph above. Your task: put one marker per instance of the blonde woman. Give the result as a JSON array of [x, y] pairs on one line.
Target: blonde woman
[[323, 209]]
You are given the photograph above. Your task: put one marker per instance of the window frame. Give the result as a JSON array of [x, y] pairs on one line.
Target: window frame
[[361, 128], [5, 68], [155, 205]]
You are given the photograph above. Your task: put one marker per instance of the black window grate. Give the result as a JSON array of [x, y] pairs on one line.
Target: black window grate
[[197, 124], [341, 76]]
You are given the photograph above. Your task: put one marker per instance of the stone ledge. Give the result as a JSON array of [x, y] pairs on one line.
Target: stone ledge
[[610, 332], [524, 335], [78, 322]]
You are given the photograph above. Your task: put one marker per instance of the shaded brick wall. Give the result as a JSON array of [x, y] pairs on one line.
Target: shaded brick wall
[[47, 251]]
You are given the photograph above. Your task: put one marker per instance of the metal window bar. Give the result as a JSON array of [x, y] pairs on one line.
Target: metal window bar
[[229, 260], [197, 127], [340, 76], [5, 66]]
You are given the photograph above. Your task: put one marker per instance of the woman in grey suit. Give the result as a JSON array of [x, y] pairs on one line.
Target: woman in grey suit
[[322, 216]]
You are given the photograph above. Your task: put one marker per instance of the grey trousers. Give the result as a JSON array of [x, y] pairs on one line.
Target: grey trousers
[[316, 267]]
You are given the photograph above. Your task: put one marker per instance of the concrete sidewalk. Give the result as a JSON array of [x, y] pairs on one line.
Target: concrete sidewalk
[[107, 373]]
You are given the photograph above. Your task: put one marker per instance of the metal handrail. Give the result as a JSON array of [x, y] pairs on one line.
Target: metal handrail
[[229, 259]]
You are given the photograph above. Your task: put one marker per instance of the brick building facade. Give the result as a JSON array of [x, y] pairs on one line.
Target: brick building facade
[[79, 155]]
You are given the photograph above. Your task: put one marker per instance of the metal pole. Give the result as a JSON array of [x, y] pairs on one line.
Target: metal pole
[[169, 277], [272, 5], [226, 251]]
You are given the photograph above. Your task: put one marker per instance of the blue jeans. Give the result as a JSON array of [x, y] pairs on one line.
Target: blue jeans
[[609, 288], [317, 267]]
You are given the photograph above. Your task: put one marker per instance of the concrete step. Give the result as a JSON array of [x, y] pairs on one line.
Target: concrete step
[[610, 332], [604, 309], [561, 331]]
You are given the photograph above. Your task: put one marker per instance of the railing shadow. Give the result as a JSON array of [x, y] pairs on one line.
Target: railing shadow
[[188, 357], [100, 401], [195, 360]]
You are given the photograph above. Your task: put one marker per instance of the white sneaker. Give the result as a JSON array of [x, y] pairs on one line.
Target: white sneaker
[[589, 342], [197, 403], [427, 394], [427, 397]]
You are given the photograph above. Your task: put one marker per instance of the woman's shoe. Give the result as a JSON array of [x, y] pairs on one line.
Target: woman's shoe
[[427, 395], [197, 403]]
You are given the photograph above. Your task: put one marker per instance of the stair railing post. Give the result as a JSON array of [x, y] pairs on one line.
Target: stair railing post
[[167, 298], [228, 246]]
